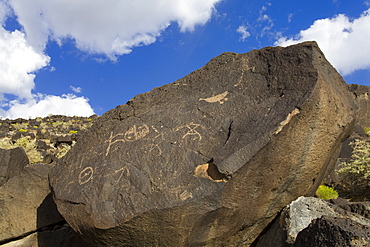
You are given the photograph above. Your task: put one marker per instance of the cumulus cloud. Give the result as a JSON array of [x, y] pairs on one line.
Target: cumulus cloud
[[107, 27], [344, 41], [244, 33], [43, 105], [18, 62], [111, 28]]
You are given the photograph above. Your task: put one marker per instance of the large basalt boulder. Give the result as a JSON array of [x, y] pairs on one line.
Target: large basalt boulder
[[210, 159]]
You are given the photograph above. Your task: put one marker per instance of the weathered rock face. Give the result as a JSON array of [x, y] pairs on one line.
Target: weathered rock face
[[28, 214], [210, 159], [24, 204], [12, 162]]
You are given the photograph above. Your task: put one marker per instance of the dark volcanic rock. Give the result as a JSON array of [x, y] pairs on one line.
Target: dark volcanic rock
[[334, 232], [302, 212], [25, 204], [12, 162], [210, 159]]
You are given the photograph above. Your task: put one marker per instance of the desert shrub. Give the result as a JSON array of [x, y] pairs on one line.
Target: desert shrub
[[355, 173], [73, 132], [367, 130], [326, 192], [57, 123], [29, 147], [19, 126]]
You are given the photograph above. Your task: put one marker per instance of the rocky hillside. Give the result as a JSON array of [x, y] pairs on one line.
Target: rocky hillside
[[44, 139]]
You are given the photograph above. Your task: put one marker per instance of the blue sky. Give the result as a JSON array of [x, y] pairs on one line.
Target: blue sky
[[84, 57]]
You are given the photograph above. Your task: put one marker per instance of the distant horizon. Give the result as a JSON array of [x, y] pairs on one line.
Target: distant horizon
[[73, 58]]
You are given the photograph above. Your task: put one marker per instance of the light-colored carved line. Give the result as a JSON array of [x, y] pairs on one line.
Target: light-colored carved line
[[221, 98], [110, 142], [85, 175], [192, 130]]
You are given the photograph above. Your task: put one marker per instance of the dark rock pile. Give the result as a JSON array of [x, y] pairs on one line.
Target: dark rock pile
[[50, 134]]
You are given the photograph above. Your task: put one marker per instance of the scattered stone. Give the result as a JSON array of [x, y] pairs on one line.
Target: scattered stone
[[211, 159]]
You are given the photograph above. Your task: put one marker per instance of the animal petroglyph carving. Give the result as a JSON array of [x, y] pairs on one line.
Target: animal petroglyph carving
[[134, 133], [191, 131], [220, 98]]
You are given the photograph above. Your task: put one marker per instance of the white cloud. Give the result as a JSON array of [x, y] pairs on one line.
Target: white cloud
[[18, 62], [43, 105], [244, 33], [344, 41], [111, 27], [76, 89], [104, 27]]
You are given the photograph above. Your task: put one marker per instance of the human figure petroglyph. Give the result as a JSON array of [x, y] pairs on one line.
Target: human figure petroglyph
[[155, 145], [85, 175], [192, 131], [220, 98]]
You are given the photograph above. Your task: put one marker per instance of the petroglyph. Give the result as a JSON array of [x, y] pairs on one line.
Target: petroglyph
[[154, 148], [136, 132], [220, 98], [186, 195], [85, 175], [122, 171], [111, 141], [192, 131]]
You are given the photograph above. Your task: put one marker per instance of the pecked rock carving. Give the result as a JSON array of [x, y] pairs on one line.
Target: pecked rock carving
[[210, 159]]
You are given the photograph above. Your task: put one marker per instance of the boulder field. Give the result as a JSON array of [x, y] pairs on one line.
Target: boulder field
[[211, 159]]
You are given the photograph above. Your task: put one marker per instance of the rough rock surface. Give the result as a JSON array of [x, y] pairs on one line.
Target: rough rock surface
[[12, 162], [25, 204], [28, 214], [302, 212], [210, 159], [334, 232]]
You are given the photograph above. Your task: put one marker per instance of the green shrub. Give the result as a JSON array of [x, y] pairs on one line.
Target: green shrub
[[73, 131], [326, 192], [356, 172], [367, 130], [22, 130]]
